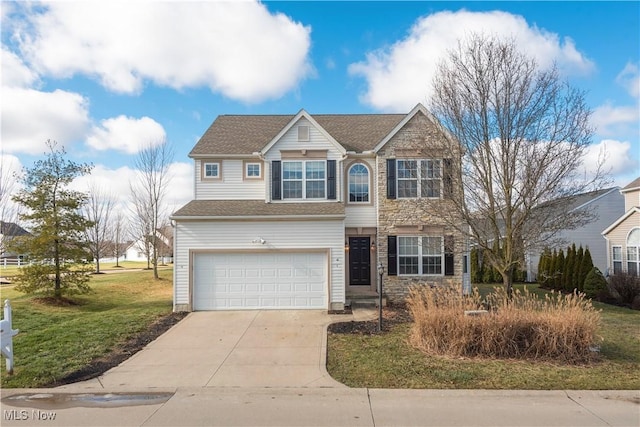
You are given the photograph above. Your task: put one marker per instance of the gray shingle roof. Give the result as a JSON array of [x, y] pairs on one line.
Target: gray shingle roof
[[257, 208], [247, 134]]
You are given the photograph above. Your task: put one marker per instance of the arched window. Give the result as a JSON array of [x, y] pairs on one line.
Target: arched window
[[633, 252], [358, 183]]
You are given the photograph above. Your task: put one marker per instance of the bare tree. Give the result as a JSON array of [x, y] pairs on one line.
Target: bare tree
[[148, 194], [97, 210], [524, 133], [119, 231], [9, 211]]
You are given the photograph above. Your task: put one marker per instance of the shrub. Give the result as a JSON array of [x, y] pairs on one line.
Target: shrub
[[595, 285], [559, 327], [626, 287]]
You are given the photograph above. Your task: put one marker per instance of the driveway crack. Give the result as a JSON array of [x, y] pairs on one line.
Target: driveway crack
[[373, 419], [585, 408]]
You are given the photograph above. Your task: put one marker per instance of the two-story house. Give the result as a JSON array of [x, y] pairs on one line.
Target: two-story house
[[623, 236], [297, 211]]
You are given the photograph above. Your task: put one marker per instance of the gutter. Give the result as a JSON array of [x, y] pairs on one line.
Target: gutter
[[258, 217]]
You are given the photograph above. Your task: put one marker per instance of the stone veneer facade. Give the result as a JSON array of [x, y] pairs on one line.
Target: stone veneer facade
[[420, 138]]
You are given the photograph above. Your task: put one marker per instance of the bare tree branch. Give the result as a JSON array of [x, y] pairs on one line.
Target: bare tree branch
[[524, 133]]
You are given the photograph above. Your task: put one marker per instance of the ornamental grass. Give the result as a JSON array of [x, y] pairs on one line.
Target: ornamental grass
[[559, 328]]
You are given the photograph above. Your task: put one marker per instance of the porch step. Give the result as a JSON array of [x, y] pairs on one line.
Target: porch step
[[364, 301]]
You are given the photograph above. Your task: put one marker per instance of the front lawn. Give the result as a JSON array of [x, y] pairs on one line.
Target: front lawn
[[57, 341], [362, 359]]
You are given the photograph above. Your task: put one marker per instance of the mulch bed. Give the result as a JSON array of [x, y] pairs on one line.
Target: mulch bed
[[121, 353], [392, 315]]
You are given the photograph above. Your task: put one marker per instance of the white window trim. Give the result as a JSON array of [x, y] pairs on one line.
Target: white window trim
[[246, 170], [418, 178], [637, 247], [204, 170], [614, 260], [420, 256], [368, 202], [304, 180]]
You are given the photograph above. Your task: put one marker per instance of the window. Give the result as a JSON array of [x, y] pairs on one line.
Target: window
[[633, 252], [304, 180], [252, 170], [211, 170], [358, 183], [420, 255], [423, 177], [617, 259]]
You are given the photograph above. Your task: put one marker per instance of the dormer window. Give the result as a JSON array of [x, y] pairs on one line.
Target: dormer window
[[303, 133]]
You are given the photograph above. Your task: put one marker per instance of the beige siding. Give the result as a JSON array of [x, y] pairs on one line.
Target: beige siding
[[231, 185], [618, 237], [238, 236], [631, 199]]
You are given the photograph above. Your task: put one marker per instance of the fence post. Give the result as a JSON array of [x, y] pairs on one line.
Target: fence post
[[6, 336]]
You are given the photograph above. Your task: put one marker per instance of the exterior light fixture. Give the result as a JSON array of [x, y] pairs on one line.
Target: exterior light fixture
[[373, 245]]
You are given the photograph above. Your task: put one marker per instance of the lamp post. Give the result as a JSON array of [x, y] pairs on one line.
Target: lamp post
[[380, 273]]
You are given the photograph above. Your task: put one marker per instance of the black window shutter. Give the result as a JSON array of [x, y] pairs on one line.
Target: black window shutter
[[391, 178], [275, 180], [331, 179], [392, 256], [448, 256], [447, 179]]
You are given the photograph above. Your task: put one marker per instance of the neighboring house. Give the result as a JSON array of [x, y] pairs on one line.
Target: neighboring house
[[9, 231], [623, 236], [606, 206], [297, 211], [135, 251]]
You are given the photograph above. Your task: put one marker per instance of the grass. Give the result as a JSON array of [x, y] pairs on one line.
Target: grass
[[55, 341], [387, 360], [12, 270]]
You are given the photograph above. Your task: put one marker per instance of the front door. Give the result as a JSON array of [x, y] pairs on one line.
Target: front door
[[359, 261]]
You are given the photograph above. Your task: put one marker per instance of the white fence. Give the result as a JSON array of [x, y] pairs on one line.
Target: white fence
[[6, 336], [12, 262]]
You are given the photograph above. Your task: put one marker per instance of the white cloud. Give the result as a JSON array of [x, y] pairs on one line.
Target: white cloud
[[14, 72], [30, 117], [399, 76], [614, 156], [610, 120], [238, 49], [629, 78], [126, 134]]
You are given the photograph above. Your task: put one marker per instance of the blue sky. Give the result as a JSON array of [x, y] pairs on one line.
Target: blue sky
[[105, 78]]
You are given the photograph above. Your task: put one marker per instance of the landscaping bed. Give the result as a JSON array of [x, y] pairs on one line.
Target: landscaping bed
[[359, 356]]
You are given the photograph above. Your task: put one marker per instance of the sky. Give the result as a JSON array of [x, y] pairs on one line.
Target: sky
[[106, 78]]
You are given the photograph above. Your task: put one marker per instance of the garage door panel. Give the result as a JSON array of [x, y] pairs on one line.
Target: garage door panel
[[253, 281]]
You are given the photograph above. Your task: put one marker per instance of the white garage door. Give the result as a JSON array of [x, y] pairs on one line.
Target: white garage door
[[259, 281]]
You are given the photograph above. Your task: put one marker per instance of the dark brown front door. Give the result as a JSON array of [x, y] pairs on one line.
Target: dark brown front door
[[359, 261]]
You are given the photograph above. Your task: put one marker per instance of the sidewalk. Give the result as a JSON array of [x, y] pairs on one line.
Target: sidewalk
[[224, 406]]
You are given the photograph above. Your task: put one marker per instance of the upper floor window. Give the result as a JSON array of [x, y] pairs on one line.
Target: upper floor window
[[633, 252], [358, 183], [304, 180], [252, 170], [419, 178], [211, 170]]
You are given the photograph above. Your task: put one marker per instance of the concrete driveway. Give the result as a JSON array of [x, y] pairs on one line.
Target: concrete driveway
[[231, 349]]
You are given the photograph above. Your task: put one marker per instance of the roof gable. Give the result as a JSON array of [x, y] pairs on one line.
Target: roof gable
[[419, 108], [314, 123]]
